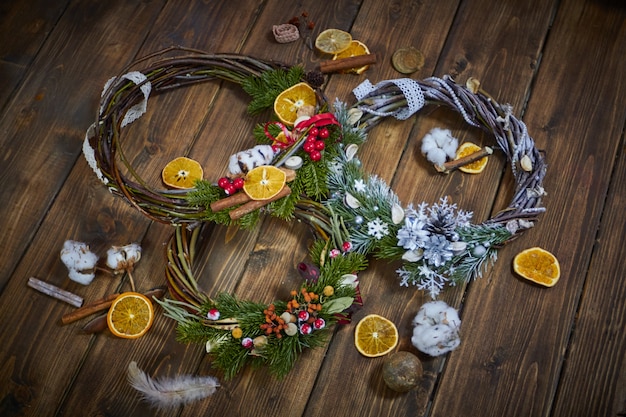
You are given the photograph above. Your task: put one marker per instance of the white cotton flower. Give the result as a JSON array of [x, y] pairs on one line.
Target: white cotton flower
[[76, 255], [438, 145], [121, 258], [436, 328], [84, 278]]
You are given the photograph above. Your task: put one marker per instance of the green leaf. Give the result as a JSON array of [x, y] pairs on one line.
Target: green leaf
[[338, 305]]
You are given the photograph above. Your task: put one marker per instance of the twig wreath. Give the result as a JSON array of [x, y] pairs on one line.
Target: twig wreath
[[352, 213]]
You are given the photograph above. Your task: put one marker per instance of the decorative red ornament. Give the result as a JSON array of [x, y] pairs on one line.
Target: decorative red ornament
[[324, 133], [347, 246], [247, 343], [319, 323], [303, 315], [334, 253], [213, 314], [319, 145], [305, 328]]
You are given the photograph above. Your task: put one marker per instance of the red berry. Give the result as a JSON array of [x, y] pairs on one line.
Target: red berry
[[347, 246], [238, 183], [310, 138], [314, 132], [230, 189], [324, 133], [303, 315], [315, 155], [319, 145], [308, 147], [223, 182]]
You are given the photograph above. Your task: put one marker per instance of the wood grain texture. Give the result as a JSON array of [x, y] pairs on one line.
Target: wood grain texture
[[525, 350]]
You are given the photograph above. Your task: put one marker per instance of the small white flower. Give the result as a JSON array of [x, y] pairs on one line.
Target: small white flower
[[377, 228], [359, 185]]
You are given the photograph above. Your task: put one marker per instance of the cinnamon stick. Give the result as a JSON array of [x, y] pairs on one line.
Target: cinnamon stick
[[256, 204], [103, 304], [89, 309], [468, 159], [230, 201], [55, 292], [336, 65]]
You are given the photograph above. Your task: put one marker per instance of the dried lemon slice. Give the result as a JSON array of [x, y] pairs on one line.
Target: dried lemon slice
[[475, 167], [181, 173], [264, 182], [130, 316], [356, 48], [289, 101], [375, 336], [537, 265], [333, 41]]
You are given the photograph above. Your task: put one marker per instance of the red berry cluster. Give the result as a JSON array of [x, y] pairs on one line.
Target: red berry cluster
[[229, 186], [314, 143]]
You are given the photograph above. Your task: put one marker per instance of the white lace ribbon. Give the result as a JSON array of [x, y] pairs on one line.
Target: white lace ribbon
[[138, 109], [409, 87]]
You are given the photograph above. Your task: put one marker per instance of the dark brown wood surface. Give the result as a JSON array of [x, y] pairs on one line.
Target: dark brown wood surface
[[525, 351]]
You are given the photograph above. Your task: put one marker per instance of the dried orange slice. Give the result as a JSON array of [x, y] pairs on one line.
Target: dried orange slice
[[356, 48], [182, 173], [475, 167], [264, 182], [130, 316], [375, 336], [537, 265], [333, 41], [289, 101]]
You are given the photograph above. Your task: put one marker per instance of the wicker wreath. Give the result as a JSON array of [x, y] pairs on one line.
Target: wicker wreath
[[353, 215]]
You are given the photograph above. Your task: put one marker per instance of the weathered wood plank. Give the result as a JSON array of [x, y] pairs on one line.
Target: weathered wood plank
[[175, 122], [43, 132], [53, 88], [24, 27], [516, 334], [415, 180], [593, 380]]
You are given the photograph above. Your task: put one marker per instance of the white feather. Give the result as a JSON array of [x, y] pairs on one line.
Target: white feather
[[171, 392]]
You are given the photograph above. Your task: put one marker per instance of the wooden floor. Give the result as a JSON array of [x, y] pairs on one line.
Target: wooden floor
[[525, 351]]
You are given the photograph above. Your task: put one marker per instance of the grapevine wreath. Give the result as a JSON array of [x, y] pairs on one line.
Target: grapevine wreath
[[351, 213]]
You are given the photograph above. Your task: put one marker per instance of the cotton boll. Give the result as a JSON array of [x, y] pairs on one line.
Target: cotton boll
[[121, 258], [436, 328], [76, 255], [84, 278], [438, 145]]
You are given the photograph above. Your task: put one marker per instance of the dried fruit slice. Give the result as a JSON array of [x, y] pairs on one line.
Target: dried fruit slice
[[182, 173], [407, 60], [264, 182], [537, 265], [375, 336], [333, 41], [289, 101], [356, 48], [130, 316], [475, 167]]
